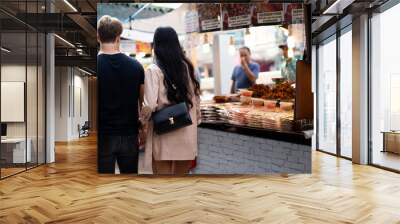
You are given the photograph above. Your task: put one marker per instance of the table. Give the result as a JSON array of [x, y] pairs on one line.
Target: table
[[15, 148], [391, 141]]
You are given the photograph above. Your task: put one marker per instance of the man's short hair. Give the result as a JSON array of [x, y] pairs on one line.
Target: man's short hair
[[108, 29], [245, 48]]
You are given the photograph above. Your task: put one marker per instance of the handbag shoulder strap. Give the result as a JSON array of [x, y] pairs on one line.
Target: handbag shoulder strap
[[166, 76]]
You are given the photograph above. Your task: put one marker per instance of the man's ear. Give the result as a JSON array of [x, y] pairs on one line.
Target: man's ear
[[98, 38]]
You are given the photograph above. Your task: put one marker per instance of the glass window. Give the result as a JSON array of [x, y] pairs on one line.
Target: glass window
[[327, 97], [22, 91], [15, 150], [385, 89], [346, 94]]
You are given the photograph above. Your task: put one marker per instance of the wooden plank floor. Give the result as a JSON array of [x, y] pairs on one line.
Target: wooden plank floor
[[70, 191]]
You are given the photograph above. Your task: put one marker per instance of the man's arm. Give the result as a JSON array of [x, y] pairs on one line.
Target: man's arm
[[141, 96], [233, 78], [249, 73], [233, 86], [141, 88]]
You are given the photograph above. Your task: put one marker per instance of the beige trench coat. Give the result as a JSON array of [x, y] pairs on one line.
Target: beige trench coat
[[180, 144]]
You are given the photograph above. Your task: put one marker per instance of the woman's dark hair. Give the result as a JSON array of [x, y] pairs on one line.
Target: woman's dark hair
[[174, 64]]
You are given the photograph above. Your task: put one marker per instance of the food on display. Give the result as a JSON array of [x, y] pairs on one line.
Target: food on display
[[234, 98], [278, 80], [286, 106], [220, 99], [260, 90], [245, 100], [247, 115], [212, 113], [257, 102], [245, 92], [282, 91], [270, 104]]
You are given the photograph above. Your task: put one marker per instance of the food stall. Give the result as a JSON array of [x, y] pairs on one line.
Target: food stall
[[254, 131], [262, 129], [266, 128]]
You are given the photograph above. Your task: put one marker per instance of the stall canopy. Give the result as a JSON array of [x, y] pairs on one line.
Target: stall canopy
[[143, 29]]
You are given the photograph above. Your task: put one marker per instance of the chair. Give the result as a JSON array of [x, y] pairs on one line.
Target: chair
[[84, 130]]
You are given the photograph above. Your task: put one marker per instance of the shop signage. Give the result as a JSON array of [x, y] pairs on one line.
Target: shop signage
[[209, 17], [236, 15], [265, 13], [191, 21], [294, 13], [242, 15]]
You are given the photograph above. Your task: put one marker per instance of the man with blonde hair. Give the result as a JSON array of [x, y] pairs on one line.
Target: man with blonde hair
[[120, 92]]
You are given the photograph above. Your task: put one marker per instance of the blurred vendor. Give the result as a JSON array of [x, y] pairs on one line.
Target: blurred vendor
[[245, 74], [288, 67]]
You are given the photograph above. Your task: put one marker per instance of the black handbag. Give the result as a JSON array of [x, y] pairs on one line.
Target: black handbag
[[172, 117]]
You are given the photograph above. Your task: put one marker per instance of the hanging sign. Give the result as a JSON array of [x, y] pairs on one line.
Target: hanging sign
[[266, 13], [191, 21], [209, 15], [294, 13], [236, 15]]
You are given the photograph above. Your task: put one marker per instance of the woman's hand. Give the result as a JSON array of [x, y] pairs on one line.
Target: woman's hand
[[142, 135]]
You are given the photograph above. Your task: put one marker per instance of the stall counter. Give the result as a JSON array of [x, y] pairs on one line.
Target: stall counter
[[230, 149]]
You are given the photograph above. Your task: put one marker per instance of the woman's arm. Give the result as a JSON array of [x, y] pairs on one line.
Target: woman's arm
[[198, 111], [150, 98]]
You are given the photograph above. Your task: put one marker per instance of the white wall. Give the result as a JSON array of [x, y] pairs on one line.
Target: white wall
[[224, 64], [71, 93], [12, 73], [33, 126], [61, 103], [16, 73]]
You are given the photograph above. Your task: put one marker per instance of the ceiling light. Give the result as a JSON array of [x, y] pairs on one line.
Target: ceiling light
[[70, 5], [247, 31], [206, 45], [206, 48], [285, 29], [205, 38], [231, 47], [291, 42], [5, 50], [64, 40]]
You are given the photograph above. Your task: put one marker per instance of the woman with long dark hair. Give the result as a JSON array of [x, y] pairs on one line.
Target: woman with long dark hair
[[170, 80]]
